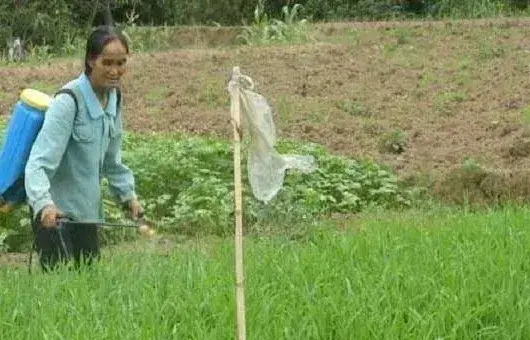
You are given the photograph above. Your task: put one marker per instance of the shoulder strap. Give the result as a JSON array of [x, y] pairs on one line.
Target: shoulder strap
[[118, 95], [118, 100], [72, 94]]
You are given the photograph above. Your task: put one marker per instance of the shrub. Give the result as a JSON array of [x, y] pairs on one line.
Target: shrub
[[187, 185]]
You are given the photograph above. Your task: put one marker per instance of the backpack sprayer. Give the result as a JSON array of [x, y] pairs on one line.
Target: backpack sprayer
[[25, 123]]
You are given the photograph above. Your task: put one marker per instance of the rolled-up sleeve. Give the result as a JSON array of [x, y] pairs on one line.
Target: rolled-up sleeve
[[48, 150]]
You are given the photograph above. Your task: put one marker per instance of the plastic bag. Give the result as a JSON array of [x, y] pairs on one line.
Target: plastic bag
[[266, 167]]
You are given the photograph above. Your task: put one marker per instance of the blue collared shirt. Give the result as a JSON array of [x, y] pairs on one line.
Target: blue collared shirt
[[71, 155]]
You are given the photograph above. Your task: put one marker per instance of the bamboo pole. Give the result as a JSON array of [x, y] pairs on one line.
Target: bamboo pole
[[240, 280]]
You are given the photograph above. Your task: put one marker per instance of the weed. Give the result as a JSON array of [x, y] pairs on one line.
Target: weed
[[157, 94], [526, 114], [394, 142], [445, 101], [353, 108]]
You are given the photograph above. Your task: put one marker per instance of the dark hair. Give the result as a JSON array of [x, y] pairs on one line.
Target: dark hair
[[98, 39]]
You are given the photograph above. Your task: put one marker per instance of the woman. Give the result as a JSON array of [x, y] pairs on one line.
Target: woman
[[79, 143]]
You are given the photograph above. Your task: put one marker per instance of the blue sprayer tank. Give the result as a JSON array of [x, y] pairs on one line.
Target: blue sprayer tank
[[24, 125]]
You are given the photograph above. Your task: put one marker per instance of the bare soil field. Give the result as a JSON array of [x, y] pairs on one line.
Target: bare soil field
[[443, 93]]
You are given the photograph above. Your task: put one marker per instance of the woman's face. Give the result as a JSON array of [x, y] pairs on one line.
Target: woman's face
[[109, 67]]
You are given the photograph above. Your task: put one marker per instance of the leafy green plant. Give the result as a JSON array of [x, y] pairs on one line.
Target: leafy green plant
[[353, 107], [197, 190], [445, 101], [266, 31], [186, 185], [15, 230], [394, 142]]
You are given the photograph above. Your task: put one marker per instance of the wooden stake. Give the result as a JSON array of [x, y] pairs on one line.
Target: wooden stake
[[240, 279]]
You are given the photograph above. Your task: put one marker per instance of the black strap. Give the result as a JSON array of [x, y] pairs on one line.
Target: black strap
[[118, 99], [72, 94]]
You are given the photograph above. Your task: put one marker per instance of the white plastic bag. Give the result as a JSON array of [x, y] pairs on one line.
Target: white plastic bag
[[266, 167]]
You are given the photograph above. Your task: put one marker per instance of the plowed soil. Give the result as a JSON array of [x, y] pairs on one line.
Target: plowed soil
[[455, 91]]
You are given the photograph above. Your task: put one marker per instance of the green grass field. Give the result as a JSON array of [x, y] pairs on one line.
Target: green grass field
[[414, 275]]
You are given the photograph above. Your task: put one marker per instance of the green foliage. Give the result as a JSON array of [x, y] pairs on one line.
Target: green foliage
[[445, 101], [48, 25], [353, 107], [472, 9], [394, 142], [265, 30], [60, 26], [15, 230], [187, 185], [432, 274]]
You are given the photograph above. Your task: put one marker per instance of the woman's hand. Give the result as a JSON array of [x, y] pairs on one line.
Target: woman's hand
[[49, 216], [136, 209]]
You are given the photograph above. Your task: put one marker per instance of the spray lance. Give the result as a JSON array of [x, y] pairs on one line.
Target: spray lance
[[141, 224]]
